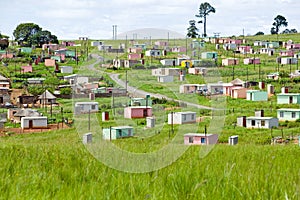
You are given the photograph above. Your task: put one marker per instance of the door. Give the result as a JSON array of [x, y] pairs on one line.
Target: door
[[291, 99], [30, 124], [145, 113]]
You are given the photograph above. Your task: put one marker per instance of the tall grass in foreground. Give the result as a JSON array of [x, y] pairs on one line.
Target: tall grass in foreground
[[56, 165]]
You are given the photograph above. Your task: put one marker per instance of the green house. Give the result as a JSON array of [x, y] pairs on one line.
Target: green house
[[140, 102], [256, 95], [288, 114], [288, 98], [57, 58], [70, 53], [26, 50], [114, 133]]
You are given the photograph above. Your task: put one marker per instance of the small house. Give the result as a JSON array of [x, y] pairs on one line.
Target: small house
[[209, 55], [200, 139], [233, 140], [268, 51], [261, 122], [153, 52], [288, 114], [96, 43], [168, 62], [182, 117], [289, 53], [186, 64], [117, 132], [192, 88], [140, 101], [251, 61], [50, 62], [134, 56], [215, 88], [166, 72], [256, 95], [165, 79], [137, 112], [27, 50], [118, 63], [16, 115], [4, 82], [161, 43], [134, 50], [292, 46], [288, 60], [142, 46], [47, 98], [34, 122], [228, 46], [244, 49], [288, 98], [197, 44], [272, 44], [4, 95], [35, 80], [197, 70], [259, 43], [230, 61], [26, 69], [178, 49], [66, 69], [86, 107], [238, 93], [25, 99], [131, 63]]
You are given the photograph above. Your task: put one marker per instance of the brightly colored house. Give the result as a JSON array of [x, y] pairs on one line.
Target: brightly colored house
[[117, 132], [137, 112], [209, 55], [288, 98], [200, 139], [257, 95]]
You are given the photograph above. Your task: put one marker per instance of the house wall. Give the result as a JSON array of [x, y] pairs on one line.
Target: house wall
[[131, 112], [287, 115], [257, 96], [41, 122], [211, 139], [285, 61], [285, 99], [239, 93], [268, 123], [168, 62], [107, 135], [134, 56], [84, 108], [67, 70], [228, 61], [26, 69], [182, 118], [49, 63], [165, 79]]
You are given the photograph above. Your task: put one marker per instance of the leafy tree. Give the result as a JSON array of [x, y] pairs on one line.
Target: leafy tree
[[192, 30], [260, 33], [288, 31], [279, 22], [28, 34], [204, 10]]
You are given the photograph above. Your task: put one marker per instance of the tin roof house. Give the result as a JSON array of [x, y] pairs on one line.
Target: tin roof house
[[192, 88], [288, 98], [34, 122], [256, 95], [288, 114], [117, 132], [137, 112], [200, 139], [86, 107], [182, 117], [258, 121], [47, 98]]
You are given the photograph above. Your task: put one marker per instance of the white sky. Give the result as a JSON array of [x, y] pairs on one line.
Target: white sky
[[69, 19]]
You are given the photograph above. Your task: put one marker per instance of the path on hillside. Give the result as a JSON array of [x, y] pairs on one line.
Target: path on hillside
[[139, 92]]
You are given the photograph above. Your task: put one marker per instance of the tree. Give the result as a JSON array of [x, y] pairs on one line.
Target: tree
[[260, 33], [204, 10], [279, 22], [192, 30], [28, 34], [289, 31]]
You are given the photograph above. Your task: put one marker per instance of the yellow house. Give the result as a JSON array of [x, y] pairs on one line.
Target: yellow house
[[186, 63]]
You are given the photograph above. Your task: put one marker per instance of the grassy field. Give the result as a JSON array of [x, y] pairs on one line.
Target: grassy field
[[56, 165]]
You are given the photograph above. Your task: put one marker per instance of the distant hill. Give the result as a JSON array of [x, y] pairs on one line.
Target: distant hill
[[154, 33]]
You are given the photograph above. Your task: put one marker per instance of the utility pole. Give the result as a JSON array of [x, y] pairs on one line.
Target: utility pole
[[89, 119], [126, 82]]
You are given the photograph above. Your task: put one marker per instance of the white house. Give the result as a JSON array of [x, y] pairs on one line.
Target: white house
[[261, 122], [34, 122], [85, 107], [153, 52], [168, 62], [166, 72], [288, 60], [66, 69], [181, 117]]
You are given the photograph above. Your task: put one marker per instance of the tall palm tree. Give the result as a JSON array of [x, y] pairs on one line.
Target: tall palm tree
[[204, 10]]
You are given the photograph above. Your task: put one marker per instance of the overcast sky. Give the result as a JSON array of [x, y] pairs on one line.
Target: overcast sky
[[69, 19]]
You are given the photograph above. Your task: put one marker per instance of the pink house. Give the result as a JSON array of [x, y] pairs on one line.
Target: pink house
[[137, 112], [49, 63], [26, 69], [287, 53], [238, 92], [248, 61], [68, 43], [161, 43], [232, 41], [200, 139], [292, 46], [134, 56], [230, 61], [178, 49], [244, 49], [7, 55], [135, 50]]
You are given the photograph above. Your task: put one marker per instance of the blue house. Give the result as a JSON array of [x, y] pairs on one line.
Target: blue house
[[288, 114], [288, 98], [256, 95]]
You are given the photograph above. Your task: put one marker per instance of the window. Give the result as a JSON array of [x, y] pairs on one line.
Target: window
[[93, 107], [183, 117], [281, 114], [191, 139], [129, 132], [263, 122], [293, 114], [120, 133], [252, 122], [193, 117]]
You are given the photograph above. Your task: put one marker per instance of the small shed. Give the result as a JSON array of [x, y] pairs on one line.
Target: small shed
[[198, 70], [150, 122], [182, 117], [251, 61], [230, 61], [288, 114], [26, 69], [137, 112], [34, 122], [168, 62], [153, 52], [117, 132], [47, 98], [192, 88], [238, 92], [209, 55], [288, 60], [233, 140], [85, 107], [257, 95], [200, 139], [87, 138]]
